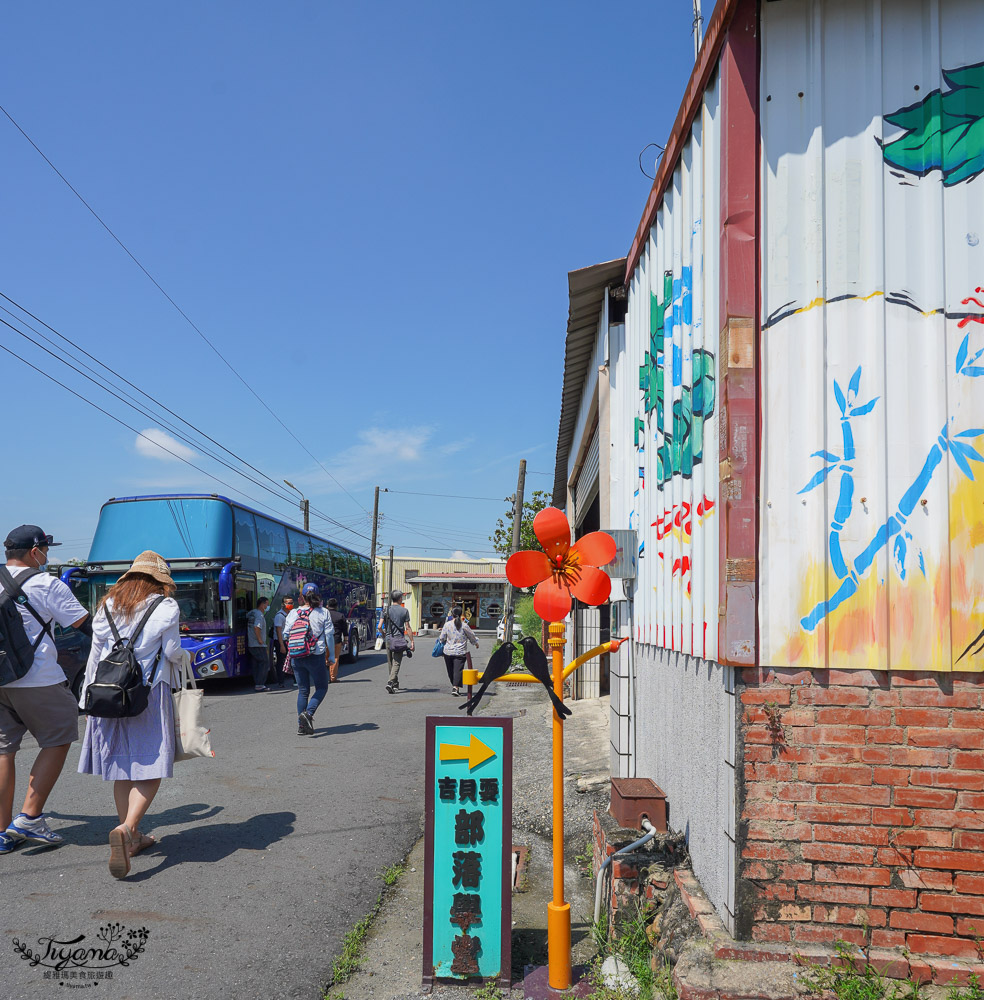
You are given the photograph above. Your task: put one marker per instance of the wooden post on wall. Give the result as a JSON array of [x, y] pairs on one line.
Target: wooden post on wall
[[739, 325]]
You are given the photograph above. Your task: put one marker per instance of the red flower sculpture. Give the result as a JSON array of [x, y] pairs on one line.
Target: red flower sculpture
[[562, 570]]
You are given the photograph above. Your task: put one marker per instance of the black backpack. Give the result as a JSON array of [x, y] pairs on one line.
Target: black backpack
[[118, 690], [16, 650]]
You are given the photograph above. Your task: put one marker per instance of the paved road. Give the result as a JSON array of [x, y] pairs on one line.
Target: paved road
[[268, 855]]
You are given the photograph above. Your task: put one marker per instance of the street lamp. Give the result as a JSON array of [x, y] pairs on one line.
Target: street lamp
[[305, 505]]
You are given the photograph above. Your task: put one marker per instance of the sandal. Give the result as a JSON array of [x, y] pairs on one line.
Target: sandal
[[143, 841], [120, 843]]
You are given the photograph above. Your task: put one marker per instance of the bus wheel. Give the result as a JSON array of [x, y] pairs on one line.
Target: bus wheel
[[353, 653]]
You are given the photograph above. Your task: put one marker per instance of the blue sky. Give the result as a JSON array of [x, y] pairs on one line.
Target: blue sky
[[370, 209]]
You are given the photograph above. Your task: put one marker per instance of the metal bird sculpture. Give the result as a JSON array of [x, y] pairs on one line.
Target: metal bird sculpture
[[535, 661], [499, 663]]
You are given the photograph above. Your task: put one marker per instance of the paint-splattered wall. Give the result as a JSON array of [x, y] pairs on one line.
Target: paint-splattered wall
[[872, 462], [667, 478]]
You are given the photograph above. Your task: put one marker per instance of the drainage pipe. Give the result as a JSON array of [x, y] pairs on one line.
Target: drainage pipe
[[650, 833]]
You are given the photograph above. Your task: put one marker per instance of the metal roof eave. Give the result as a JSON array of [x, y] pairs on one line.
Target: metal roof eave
[[586, 290]]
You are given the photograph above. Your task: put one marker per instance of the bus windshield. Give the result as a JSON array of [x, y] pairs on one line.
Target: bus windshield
[[198, 600]]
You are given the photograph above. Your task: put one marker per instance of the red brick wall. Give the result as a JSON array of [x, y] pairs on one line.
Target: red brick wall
[[862, 801]]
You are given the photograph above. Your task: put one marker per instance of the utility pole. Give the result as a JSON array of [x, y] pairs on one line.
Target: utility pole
[[375, 525], [305, 505], [698, 25], [517, 527]]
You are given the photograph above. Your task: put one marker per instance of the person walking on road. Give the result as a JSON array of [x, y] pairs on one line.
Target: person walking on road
[[456, 635], [38, 701], [256, 643], [340, 625], [135, 752], [399, 638], [314, 622], [280, 642]]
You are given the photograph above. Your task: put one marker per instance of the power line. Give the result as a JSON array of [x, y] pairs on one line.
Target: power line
[[140, 407], [122, 378], [118, 420], [143, 412], [450, 496], [184, 315]]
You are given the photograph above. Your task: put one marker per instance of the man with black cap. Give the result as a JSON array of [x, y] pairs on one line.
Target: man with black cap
[[38, 700]]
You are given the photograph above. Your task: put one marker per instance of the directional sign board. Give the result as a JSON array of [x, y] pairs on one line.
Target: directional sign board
[[468, 843]]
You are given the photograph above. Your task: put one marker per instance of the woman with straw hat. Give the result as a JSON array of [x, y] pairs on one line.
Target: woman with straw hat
[[135, 753]]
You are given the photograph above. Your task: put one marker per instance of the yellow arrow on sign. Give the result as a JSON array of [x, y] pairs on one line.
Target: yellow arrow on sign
[[475, 753]]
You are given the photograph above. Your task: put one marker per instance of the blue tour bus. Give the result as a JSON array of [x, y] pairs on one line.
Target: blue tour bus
[[223, 558]]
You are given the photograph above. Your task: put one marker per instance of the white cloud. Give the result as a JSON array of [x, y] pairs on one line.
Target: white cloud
[[377, 452], [458, 554], [154, 443]]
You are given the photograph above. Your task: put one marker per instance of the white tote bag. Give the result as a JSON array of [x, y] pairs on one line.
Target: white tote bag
[[190, 733]]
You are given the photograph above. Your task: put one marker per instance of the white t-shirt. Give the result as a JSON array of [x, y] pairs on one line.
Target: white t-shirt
[[161, 631], [53, 601]]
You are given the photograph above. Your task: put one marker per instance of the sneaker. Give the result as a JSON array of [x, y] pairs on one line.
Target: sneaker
[[309, 721], [301, 730], [389, 689], [25, 828], [8, 843], [304, 724]]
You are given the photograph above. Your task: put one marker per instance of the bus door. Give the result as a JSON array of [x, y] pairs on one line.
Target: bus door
[[245, 601]]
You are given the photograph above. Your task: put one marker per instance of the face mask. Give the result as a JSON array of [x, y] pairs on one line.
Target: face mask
[[43, 566]]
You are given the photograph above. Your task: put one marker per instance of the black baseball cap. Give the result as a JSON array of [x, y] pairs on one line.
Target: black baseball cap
[[28, 536]]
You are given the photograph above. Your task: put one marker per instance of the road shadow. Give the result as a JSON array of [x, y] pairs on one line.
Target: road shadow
[[366, 661], [216, 841], [352, 727], [94, 830]]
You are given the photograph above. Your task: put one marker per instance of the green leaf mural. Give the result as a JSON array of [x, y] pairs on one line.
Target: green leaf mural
[[944, 131]]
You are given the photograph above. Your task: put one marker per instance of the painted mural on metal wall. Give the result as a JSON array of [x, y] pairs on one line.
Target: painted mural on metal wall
[[872, 525], [677, 400], [679, 443]]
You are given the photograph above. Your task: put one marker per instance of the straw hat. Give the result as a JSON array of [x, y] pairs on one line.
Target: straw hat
[[150, 564]]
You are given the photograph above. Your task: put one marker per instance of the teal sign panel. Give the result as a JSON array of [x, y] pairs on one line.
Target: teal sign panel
[[468, 903]]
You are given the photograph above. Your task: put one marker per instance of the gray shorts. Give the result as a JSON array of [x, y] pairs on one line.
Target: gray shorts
[[50, 714]]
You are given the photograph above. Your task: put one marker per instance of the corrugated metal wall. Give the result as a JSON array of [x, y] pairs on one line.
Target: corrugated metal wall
[[872, 485], [666, 447]]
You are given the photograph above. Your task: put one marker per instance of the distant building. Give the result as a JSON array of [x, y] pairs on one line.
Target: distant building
[[434, 586]]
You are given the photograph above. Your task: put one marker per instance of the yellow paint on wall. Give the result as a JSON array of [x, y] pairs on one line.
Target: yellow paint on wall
[[967, 569], [921, 623]]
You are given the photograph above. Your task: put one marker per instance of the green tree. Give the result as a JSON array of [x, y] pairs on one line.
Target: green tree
[[502, 538]]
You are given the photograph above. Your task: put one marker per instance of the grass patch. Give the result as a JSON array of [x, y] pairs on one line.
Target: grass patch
[[347, 963], [490, 991], [585, 861], [632, 946], [855, 978], [391, 875]]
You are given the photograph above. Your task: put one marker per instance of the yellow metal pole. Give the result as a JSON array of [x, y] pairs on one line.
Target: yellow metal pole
[[558, 911]]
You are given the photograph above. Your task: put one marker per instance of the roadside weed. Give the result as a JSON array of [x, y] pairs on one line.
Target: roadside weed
[[855, 978], [585, 861], [391, 875], [630, 944], [973, 991], [347, 963], [490, 991]]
